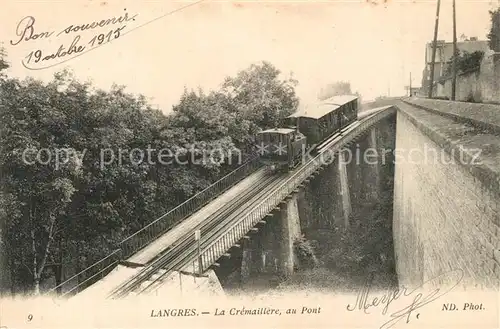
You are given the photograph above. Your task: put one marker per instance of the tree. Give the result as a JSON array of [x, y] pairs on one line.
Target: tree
[[494, 34], [40, 192], [3, 61], [335, 89], [77, 200], [258, 95]]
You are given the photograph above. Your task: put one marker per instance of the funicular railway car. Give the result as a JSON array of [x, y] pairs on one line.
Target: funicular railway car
[[280, 148], [319, 121]]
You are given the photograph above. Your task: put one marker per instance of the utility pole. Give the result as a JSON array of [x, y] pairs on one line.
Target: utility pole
[[434, 46], [454, 65], [410, 85]]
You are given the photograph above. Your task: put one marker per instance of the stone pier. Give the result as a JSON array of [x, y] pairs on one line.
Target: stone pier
[[271, 249]]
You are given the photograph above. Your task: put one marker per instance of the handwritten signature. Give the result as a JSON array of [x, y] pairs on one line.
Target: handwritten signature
[[419, 299]]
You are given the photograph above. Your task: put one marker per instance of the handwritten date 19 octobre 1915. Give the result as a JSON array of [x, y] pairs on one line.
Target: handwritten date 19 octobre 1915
[[74, 48]]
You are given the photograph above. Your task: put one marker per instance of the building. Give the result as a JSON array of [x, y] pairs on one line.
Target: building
[[444, 53], [415, 91]]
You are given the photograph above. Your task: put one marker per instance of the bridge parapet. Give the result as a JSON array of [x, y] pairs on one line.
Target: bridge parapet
[[470, 137], [485, 116]]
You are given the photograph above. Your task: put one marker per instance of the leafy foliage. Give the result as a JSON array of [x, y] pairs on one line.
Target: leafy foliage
[[72, 214], [3, 61], [494, 34], [465, 62], [305, 252], [335, 89], [346, 258], [258, 96]]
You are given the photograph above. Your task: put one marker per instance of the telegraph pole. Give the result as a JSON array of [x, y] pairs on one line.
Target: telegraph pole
[[410, 86], [434, 46], [454, 65]]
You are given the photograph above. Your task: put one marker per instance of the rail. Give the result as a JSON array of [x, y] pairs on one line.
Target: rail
[[148, 233], [236, 231], [153, 230]]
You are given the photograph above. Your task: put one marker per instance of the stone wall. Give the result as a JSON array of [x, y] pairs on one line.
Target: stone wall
[[481, 85], [446, 211]]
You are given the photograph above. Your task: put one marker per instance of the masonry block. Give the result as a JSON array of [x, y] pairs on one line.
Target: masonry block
[[442, 219]]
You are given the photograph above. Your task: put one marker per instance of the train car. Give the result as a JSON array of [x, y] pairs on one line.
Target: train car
[[318, 121], [281, 148]]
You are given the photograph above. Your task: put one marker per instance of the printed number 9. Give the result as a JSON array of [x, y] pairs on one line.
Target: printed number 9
[[30, 317]]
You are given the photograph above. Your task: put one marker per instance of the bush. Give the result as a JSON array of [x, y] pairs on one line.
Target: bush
[[465, 62], [305, 252]]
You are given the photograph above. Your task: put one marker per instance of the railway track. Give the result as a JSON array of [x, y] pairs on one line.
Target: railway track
[[184, 250], [178, 254], [224, 221]]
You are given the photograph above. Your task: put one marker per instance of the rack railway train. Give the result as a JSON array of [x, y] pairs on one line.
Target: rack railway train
[[282, 148]]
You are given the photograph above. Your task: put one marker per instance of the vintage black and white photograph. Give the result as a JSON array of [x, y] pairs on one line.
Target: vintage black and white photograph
[[303, 164]]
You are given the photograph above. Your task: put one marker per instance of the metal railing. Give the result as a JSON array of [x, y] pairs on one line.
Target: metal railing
[[153, 230], [241, 227], [90, 274]]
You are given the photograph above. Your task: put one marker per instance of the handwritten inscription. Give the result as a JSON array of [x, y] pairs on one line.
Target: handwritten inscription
[[365, 302], [74, 47], [76, 28], [26, 32]]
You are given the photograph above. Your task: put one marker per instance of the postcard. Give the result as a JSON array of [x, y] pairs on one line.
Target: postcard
[[246, 164]]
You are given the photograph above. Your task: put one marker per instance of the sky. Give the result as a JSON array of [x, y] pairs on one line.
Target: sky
[[373, 44]]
